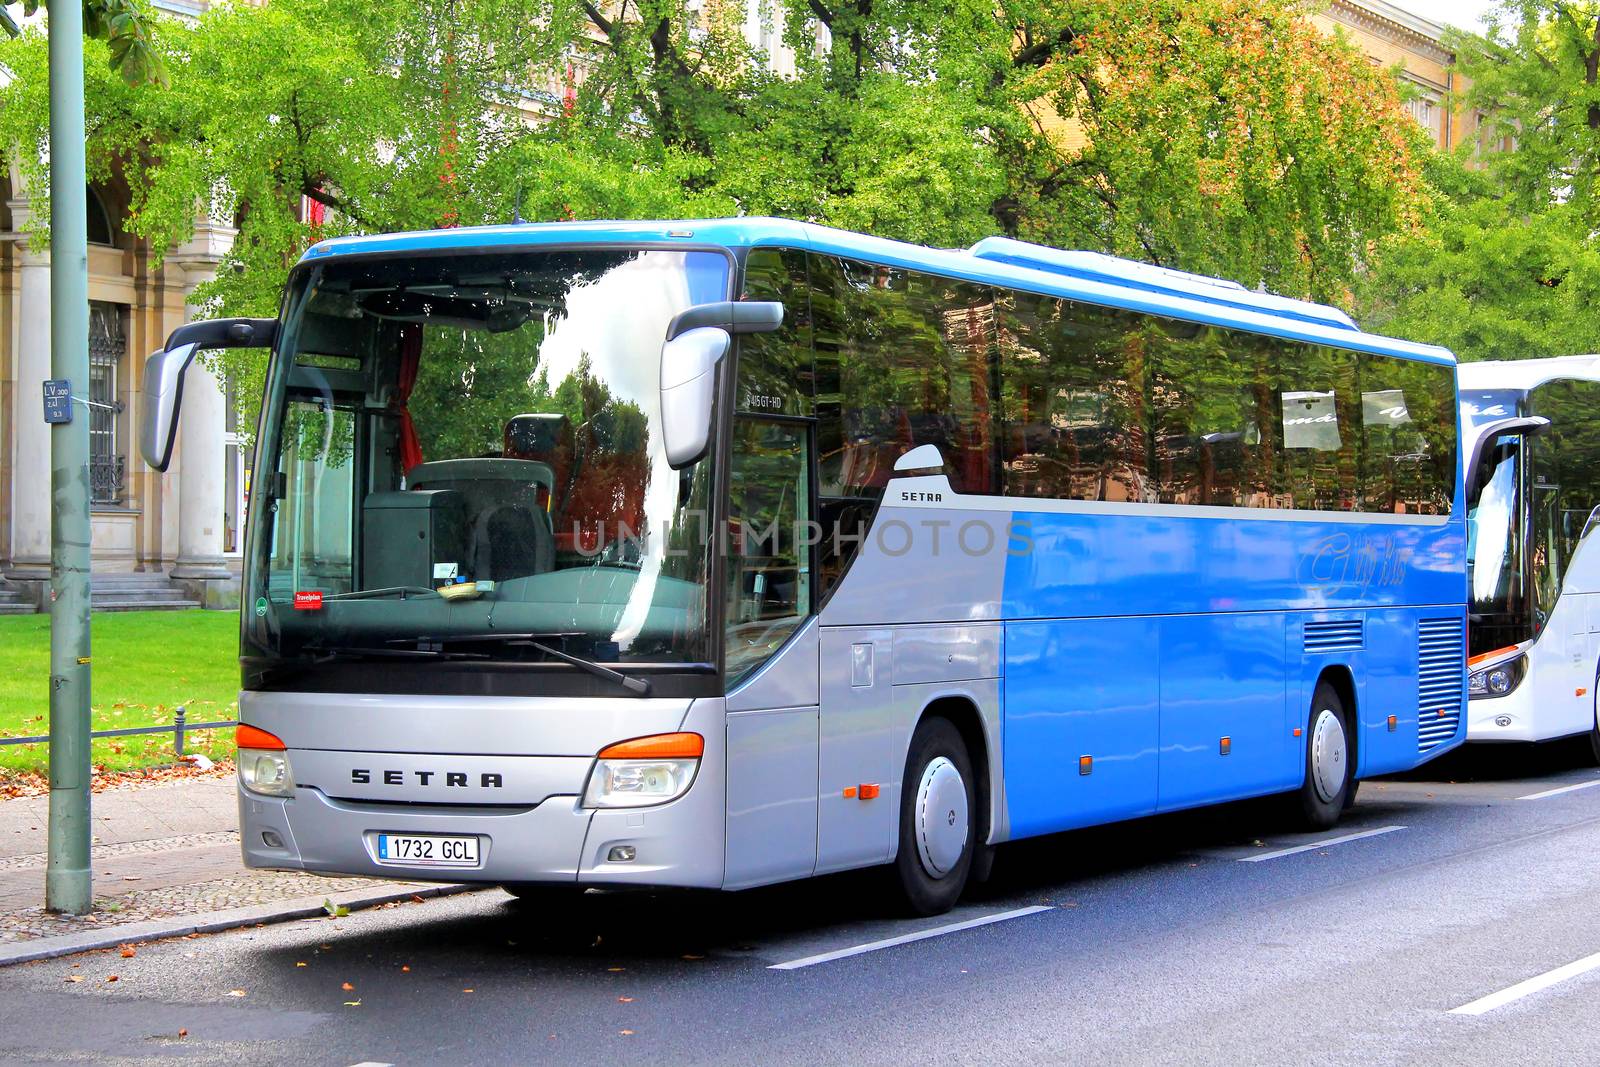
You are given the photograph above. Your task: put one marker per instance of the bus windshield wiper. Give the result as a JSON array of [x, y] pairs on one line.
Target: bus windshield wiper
[[628, 682]]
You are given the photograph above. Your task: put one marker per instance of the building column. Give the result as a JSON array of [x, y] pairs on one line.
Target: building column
[[201, 451], [30, 482]]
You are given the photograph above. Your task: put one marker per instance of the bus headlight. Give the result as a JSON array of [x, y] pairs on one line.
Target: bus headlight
[[644, 771], [265, 771], [263, 762], [1497, 679]]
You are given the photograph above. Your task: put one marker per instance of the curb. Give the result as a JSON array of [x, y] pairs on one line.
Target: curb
[[49, 948]]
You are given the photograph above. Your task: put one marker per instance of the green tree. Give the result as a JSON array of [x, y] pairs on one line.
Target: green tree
[[122, 24], [1506, 265]]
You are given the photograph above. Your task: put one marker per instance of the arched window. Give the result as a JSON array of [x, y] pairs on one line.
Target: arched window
[[100, 229]]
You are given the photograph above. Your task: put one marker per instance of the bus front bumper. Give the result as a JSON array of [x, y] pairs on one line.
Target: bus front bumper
[[557, 841]]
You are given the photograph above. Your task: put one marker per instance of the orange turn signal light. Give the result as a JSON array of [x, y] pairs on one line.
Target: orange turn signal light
[[246, 736], [1298, 731], [657, 746], [867, 791]]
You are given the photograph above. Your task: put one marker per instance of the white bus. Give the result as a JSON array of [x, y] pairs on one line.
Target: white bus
[[1533, 428]]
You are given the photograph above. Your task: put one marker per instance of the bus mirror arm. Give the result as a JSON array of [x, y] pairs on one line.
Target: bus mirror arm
[[1529, 426], [734, 316], [164, 371]]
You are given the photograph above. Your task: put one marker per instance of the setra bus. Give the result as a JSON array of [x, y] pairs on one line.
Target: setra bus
[[725, 552], [1533, 428]]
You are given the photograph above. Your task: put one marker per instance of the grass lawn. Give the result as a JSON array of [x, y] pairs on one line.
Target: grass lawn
[[146, 663]]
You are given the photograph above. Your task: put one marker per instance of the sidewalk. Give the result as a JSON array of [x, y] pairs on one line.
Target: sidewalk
[[163, 851]]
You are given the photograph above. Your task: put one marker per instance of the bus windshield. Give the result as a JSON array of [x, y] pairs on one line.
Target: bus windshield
[[466, 461]]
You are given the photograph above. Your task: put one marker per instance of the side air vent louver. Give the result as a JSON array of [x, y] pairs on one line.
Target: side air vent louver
[[1441, 674], [1343, 636]]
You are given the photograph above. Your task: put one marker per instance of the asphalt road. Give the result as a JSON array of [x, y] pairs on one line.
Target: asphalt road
[[1201, 938]]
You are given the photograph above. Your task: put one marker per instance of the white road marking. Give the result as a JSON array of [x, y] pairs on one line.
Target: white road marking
[[371, 1063], [1529, 987], [1319, 844], [1560, 790], [905, 939]]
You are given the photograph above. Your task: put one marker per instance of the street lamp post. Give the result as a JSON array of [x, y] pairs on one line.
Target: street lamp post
[[68, 885]]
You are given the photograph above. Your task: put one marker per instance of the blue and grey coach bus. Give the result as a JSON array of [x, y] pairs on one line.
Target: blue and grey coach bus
[[720, 553]]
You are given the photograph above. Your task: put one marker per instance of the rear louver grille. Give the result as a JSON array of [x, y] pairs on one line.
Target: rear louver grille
[[1333, 636], [1441, 673]]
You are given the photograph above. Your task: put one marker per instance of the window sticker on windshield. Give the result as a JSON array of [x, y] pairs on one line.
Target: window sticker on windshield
[[445, 572], [308, 601]]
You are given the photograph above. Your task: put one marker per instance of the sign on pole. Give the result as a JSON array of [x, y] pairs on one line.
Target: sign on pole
[[57, 401]]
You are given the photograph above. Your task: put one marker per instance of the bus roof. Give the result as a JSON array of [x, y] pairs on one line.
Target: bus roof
[[1085, 276], [1525, 374]]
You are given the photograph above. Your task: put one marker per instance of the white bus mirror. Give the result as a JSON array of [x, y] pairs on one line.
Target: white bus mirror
[[688, 381], [163, 396], [163, 376]]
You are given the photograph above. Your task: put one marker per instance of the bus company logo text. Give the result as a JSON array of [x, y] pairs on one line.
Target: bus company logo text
[[1358, 561], [452, 779]]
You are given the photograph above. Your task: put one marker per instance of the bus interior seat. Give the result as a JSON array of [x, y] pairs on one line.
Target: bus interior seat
[[510, 533]]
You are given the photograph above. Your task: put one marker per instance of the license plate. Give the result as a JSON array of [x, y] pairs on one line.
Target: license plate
[[427, 850]]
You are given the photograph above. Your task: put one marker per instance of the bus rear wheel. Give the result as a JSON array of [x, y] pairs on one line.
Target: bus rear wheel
[[936, 819], [1327, 787]]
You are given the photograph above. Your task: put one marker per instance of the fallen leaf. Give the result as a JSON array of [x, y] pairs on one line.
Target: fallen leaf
[[335, 911], [347, 987], [415, 899], [404, 969], [692, 956], [627, 1033], [74, 978], [183, 1033], [111, 978], [128, 952], [614, 970], [235, 992], [469, 991], [300, 963], [352, 1003]]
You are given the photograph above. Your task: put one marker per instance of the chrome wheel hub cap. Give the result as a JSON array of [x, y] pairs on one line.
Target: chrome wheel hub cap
[[941, 817], [1327, 755]]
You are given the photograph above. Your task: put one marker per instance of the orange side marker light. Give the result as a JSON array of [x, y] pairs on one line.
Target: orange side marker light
[[1298, 731], [1393, 722], [867, 791], [1085, 764], [1582, 690], [849, 792]]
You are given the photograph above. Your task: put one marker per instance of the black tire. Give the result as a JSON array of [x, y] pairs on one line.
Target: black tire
[[1594, 727], [1317, 805], [926, 889]]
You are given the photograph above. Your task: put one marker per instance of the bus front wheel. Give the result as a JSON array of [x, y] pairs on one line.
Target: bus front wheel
[[936, 819], [1329, 762]]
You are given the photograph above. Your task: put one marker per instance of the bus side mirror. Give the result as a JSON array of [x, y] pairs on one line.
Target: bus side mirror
[[163, 395], [689, 364], [164, 371]]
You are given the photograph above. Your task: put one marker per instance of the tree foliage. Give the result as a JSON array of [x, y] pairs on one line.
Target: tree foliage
[[122, 24], [1507, 266], [1225, 136]]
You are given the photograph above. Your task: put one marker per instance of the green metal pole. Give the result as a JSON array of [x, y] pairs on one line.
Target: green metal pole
[[67, 882]]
